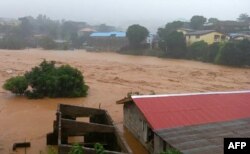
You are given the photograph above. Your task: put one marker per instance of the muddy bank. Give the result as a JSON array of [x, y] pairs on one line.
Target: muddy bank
[[110, 76]]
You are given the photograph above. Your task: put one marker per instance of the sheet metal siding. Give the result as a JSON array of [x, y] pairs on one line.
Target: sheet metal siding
[[206, 138], [177, 111]]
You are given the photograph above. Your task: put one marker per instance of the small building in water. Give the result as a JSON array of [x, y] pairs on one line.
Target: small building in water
[[194, 123]]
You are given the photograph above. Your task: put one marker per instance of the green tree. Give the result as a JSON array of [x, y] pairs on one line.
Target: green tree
[[213, 20], [136, 34], [231, 55], [16, 85], [105, 28], [244, 46], [176, 45], [171, 41], [197, 50], [173, 26], [213, 51], [244, 17], [47, 80], [26, 27], [197, 22]]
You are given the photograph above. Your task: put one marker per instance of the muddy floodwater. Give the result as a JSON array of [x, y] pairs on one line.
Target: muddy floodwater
[[110, 77]]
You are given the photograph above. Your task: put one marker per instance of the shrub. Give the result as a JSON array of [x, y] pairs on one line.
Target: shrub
[[230, 54], [244, 46], [213, 50], [99, 148], [64, 81], [46, 80], [136, 34], [76, 149], [197, 50], [16, 85], [176, 45]]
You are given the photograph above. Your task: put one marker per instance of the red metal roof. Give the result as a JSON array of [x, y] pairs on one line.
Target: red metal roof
[[170, 111]]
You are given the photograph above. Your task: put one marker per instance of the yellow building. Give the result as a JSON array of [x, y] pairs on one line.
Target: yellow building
[[208, 36]]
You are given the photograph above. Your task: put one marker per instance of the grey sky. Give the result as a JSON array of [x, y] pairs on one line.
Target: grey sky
[[151, 13]]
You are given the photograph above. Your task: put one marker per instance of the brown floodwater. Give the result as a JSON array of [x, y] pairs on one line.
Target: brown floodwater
[[110, 77]]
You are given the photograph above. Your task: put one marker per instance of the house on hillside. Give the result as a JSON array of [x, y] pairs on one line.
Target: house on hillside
[[239, 36], [191, 123], [110, 41], [227, 26], [208, 36]]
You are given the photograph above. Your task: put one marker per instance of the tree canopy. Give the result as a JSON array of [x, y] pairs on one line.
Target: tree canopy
[[213, 20], [244, 17], [47, 80], [197, 21], [136, 34], [171, 41]]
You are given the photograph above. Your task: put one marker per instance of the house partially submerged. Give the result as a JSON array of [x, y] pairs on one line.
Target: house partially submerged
[[191, 123], [98, 129]]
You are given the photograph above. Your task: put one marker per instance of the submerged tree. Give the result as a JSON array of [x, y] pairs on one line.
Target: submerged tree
[[47, 80]]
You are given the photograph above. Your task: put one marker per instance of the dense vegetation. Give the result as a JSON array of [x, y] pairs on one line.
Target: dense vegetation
[[43, 32], [171, 41], [172, 44], [17, 85], [47, 80]]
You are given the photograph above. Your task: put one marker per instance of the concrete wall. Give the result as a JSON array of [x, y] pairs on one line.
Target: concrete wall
[[158, 144], [136, 124]]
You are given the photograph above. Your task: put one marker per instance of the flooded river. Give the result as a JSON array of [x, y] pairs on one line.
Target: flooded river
[[110, 77]]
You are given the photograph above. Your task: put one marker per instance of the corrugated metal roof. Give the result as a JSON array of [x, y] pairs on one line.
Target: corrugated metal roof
[[206, 138], [108, 34], [170, 111]]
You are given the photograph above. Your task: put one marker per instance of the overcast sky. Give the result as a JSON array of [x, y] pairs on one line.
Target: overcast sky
[[150, 13]]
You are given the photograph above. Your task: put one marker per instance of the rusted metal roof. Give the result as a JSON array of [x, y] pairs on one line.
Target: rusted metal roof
[[206, 138], [171, 111]]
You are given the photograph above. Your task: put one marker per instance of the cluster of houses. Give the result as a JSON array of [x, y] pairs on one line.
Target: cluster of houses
[[96, 39], [210, 34]]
